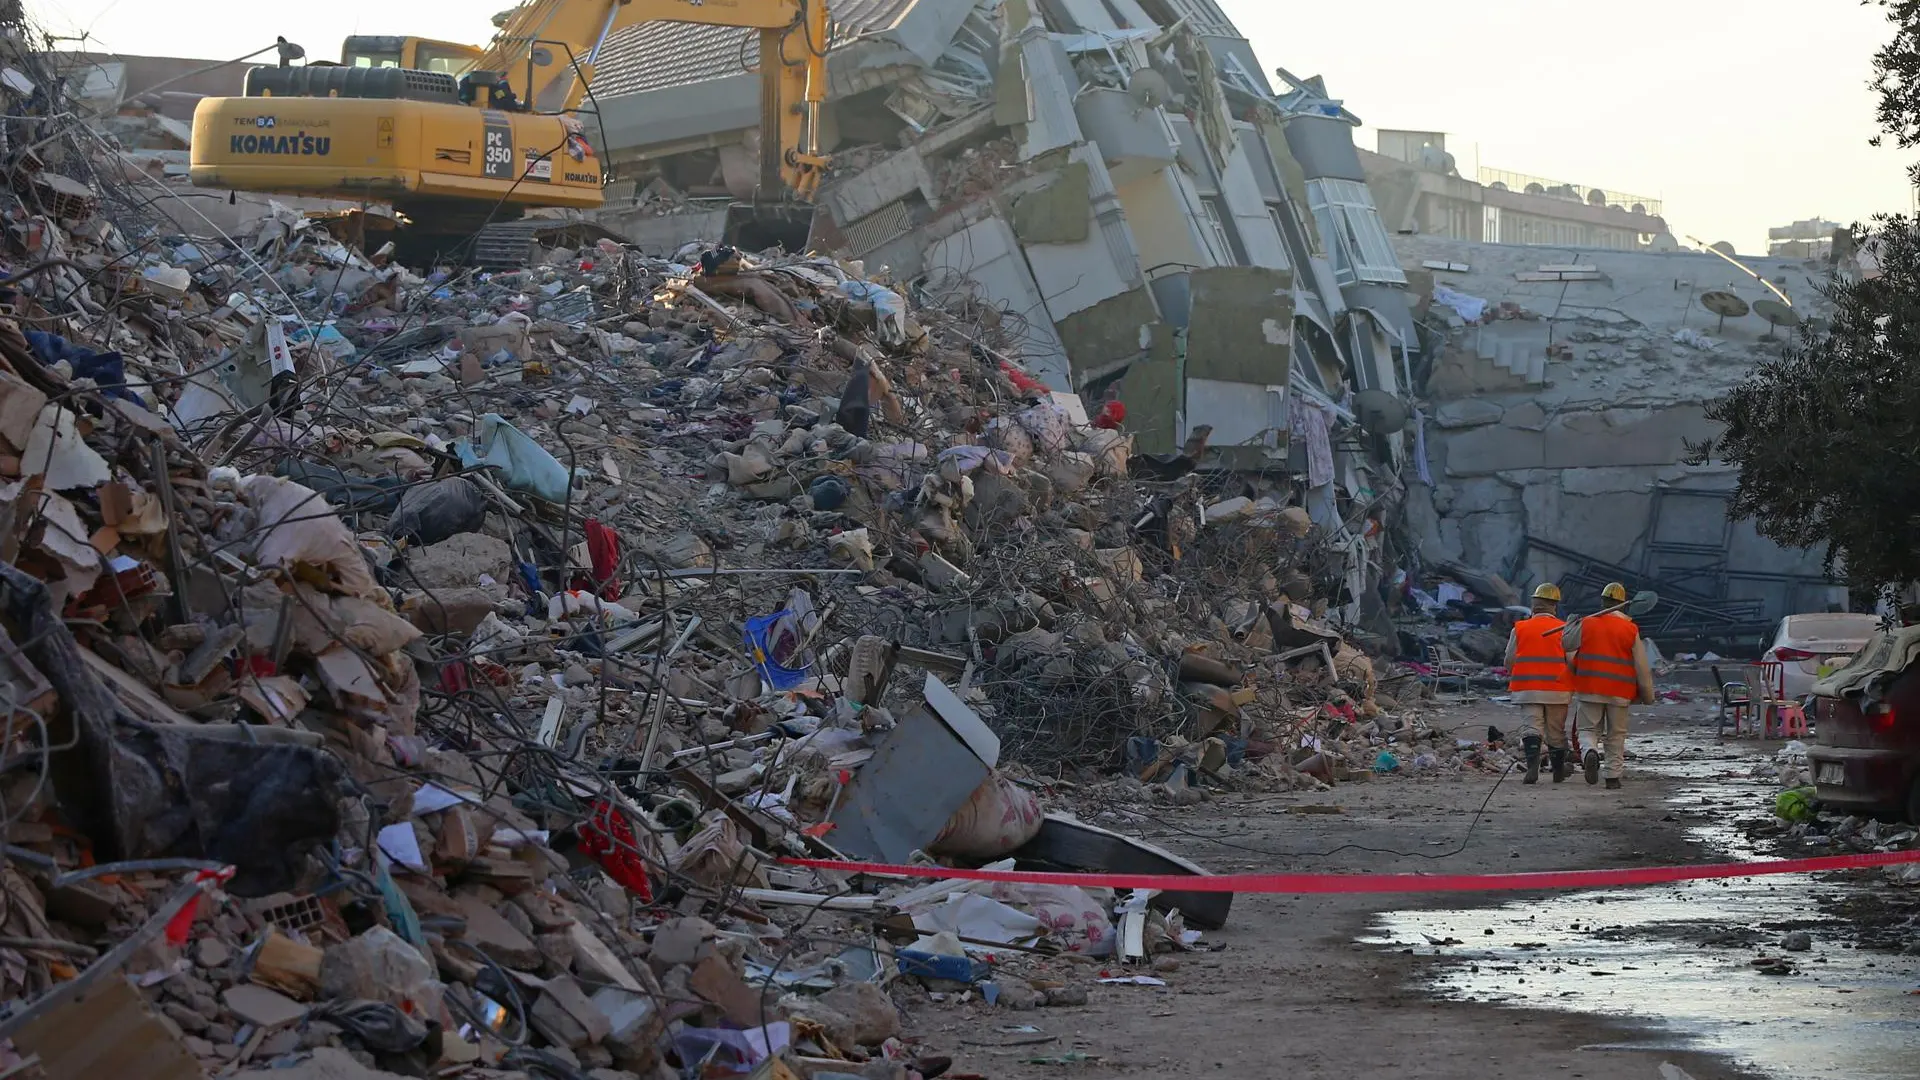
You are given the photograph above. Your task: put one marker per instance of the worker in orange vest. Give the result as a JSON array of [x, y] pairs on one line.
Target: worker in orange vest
[[1610, 673], [1540, 682]]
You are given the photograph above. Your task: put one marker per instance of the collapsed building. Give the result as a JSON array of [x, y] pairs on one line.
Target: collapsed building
[[1563, 402], [1117, 180], [1120, 189]]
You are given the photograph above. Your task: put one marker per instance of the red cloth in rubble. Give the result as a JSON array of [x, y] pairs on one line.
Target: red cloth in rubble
[[608, 837], [603, 547]]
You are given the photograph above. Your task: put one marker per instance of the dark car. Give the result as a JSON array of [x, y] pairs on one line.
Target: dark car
[[1866, 758]]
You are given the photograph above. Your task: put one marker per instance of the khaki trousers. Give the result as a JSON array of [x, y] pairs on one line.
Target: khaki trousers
[[1547, 723], [1607, 724]]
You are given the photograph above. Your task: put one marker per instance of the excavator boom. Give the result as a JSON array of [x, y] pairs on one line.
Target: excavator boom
[[792, 57], [493, 134]]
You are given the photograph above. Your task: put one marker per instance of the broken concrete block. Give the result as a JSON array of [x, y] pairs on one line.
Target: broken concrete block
[[258, 1005], [378, 965], [327, 1063], [597, 962], [680, 941], [870, 1011], [486, 342], [716, 982], [490, 932], [567, 1017], [459, 562], [634, 1023], [20, 405]]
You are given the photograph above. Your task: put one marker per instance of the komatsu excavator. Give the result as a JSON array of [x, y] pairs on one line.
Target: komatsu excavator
[[459, 139]]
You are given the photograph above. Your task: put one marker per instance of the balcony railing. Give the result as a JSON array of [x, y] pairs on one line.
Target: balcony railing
[[1580, 193]]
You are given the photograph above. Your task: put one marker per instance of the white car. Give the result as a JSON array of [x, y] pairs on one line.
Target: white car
[[1806, 645]]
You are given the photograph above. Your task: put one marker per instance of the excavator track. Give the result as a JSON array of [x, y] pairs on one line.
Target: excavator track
[[505, 245]]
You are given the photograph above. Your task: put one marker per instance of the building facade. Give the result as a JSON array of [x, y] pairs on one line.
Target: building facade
[[1422, 192]]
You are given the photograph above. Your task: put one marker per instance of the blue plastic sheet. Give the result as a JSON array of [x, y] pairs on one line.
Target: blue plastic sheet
[[524, 465], [108, 370]]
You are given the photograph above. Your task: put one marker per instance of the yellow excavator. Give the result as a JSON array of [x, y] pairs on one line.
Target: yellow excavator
[[460, 139]]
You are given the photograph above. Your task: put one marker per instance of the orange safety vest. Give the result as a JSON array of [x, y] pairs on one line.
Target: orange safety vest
[[1605, 666], [1539, 660]]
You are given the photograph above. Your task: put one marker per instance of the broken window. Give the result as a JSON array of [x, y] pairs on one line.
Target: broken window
[[1226, 243], [1237, 74], [1364, 252], [1279, 215]]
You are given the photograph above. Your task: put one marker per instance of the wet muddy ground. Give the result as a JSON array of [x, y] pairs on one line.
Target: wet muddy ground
[[1593, 986], [1701, 965]]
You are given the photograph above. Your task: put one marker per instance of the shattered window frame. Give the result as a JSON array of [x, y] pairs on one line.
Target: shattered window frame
[[1214, 209], [1237, 72], [1346, 210]]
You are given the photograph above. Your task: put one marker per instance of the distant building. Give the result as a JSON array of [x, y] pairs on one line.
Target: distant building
[[1421, 192], [1809, 239]]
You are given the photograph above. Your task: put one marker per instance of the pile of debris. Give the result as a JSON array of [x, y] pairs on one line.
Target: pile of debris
[[428, 669]]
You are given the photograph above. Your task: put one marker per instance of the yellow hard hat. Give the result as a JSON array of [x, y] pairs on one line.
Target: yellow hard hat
[[1615, 592], [1548, 591]]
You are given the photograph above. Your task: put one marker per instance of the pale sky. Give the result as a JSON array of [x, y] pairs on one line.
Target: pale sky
[[1739, 115]]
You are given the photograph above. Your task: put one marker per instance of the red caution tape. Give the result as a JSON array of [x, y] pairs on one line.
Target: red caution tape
[[1300, 884]]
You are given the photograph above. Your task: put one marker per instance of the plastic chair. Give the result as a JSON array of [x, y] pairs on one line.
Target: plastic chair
[[1793, 720], [1445, 667], [1735, 704], [1766, 691]]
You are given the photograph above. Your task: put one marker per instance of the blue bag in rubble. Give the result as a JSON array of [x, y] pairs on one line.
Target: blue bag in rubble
[[775, 642], [524, 465]]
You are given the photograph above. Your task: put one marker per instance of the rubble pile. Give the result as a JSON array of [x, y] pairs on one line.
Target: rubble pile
[[427, 669]]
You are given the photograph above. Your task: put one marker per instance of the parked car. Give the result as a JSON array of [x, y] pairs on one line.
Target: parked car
[[1807, 644], [1866, 757]]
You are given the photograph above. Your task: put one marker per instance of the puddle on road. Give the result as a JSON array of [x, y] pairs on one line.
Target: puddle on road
[[1679, 958]]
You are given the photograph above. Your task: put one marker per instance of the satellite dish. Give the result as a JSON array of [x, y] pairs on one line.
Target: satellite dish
[[1640, 208], [1150, 89], [1776, 314], [1724, 248], [1536, 189], [1723, 304], [1381, 413], [1499, 185], [1596, 197]]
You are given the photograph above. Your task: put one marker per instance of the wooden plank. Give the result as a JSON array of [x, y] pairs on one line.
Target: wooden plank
[[107, 1031], [134, 694]]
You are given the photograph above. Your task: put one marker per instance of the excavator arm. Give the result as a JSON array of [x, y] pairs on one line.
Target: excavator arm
[[793, 65]]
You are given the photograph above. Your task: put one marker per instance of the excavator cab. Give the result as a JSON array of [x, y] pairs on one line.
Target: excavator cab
[[408, 53]]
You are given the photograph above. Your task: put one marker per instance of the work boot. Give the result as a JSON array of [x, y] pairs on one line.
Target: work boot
[[1532, 744], [1613, 784], [1558, 757], [1591, 763]]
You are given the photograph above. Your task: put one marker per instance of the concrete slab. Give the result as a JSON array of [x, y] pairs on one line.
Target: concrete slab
[[1527, 416], [1487, 450], [1614, 437], [1467, 413]]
